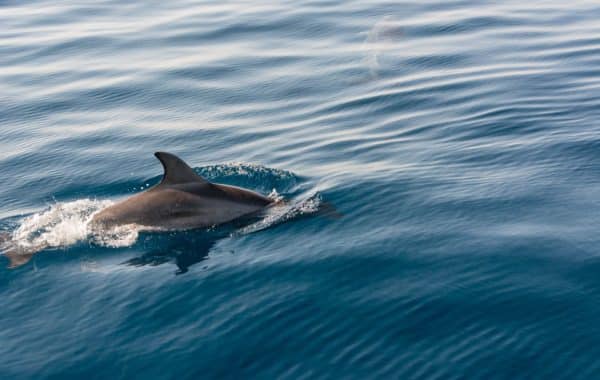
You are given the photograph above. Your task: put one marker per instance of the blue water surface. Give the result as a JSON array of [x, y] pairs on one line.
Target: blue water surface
[[456, 142]]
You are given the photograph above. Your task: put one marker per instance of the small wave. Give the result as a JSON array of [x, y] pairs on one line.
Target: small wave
[[283, 211], [234, 169], [253, 176]]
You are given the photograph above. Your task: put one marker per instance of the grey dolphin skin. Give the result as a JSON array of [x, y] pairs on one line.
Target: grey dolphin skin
[[183, 200]]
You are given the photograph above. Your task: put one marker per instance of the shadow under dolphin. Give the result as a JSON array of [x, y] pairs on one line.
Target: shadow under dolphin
[[185, 248], [183, 251]]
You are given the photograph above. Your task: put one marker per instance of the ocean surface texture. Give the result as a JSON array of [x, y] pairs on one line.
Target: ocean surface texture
[[439, 162]]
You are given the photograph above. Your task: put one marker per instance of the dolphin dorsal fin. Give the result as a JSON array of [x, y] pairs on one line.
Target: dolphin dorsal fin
[[176, 170]]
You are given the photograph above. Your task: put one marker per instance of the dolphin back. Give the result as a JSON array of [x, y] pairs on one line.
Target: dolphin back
[[182, 200]]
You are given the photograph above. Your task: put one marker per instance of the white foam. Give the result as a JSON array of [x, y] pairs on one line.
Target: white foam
[[119, 236], [283, 211], [66, 223], [274, 195]]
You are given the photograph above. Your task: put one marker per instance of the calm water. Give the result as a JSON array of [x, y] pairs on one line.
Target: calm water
[[459, 139]]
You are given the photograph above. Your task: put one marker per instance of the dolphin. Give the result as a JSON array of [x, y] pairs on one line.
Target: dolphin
[[183, 200]]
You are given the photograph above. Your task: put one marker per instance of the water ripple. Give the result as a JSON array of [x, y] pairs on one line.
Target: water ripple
[[439, 162]]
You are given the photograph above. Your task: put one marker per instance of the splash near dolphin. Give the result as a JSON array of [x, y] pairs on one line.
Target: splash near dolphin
[[183, 200]]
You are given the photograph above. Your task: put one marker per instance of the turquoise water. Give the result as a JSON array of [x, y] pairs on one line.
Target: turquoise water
[[458, 139]]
